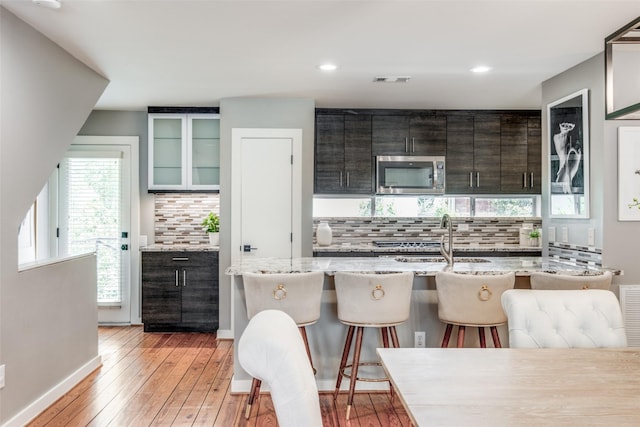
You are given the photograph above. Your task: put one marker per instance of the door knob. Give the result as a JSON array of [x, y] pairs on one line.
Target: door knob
[[248, 248]]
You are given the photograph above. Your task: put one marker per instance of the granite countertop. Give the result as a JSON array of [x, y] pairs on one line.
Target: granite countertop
[[522, 266], [370, 247], [180, 248]]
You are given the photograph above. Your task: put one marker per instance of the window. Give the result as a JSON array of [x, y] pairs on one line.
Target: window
[[426, 206]]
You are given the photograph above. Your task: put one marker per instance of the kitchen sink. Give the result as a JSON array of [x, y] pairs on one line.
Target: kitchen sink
[[438, 259]]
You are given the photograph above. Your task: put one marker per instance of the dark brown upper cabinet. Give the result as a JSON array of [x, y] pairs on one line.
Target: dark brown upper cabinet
[[343, 154], [520, 147], [409, 135]]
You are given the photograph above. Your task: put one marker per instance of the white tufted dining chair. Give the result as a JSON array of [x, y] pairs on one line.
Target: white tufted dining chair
[[553, 281], [272, 349], [563, 319]]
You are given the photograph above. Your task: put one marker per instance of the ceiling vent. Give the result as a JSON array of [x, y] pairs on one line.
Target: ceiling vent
[[392, 79]]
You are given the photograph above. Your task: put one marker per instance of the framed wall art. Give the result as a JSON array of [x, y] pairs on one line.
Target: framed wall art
[[628, 173], [568, 131]]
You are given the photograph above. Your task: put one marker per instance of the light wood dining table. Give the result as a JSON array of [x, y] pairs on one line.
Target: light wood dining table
[[516, 387]]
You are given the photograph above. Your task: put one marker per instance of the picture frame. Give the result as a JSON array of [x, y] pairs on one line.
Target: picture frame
[[568, 131], [628, 173]]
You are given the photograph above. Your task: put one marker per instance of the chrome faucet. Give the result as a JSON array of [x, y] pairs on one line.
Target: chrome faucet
[[447, 252]]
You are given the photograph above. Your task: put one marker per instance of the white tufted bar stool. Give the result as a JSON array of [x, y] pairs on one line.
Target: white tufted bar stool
[[369, 301], [474, 301], [297, 294], [552, 281], [564, 319]]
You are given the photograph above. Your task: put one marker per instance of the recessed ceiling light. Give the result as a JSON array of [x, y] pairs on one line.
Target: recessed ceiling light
[[328, 67], [480, 69], [51, 4]]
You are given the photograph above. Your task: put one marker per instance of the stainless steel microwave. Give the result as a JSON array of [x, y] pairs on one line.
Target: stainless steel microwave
[[410, 174]]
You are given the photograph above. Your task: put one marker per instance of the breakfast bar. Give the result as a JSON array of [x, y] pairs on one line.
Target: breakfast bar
[[327, 335]]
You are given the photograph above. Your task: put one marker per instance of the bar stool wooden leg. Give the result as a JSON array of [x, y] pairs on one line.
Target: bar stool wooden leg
[[483, 341], [385, 337], [354, 368], [496, 338], [394, 337], [461, 336], [253, 395], [303, 332], [447, 335], [343, 361]]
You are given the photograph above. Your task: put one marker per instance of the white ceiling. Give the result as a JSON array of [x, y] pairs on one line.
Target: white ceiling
[[194, 53]]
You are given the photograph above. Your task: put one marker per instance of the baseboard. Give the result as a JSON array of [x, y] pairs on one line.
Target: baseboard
[[225, 334], [55, 393]]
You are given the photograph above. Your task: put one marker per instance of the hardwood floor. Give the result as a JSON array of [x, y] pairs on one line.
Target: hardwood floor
[[183, 379]]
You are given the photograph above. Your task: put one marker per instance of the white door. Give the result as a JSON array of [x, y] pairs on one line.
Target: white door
[[266, 193], [95, 215]]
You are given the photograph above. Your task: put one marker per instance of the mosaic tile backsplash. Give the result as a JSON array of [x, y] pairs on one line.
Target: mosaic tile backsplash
[[178, 217], [479, 231]]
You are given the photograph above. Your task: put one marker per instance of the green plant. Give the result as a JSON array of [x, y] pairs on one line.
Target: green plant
[[534, 234], [211, 223]]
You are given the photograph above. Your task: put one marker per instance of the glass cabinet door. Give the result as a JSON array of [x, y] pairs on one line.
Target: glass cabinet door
[[204, 153], [167, 135]]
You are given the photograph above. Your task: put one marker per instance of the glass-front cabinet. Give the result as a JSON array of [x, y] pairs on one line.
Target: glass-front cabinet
[[184, 151]]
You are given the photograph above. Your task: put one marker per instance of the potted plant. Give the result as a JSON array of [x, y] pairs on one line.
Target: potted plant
[[211, 225], [534, 237]]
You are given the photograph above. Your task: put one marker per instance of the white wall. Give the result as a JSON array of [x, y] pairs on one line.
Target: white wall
[[47, 316]]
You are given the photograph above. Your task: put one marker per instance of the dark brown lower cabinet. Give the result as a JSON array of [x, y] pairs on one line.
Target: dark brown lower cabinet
[[180, 291]]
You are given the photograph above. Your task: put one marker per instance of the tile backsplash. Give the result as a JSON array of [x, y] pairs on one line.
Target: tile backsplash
[[478, 232], [178, 217]]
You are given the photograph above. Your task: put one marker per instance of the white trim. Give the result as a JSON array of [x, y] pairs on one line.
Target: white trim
[[51, 261], [224, 334], [43, 402]]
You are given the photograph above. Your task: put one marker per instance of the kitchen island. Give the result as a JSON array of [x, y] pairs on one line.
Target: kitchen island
[[326, 338]]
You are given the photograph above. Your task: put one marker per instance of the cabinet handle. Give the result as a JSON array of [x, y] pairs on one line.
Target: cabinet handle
[[406, 144], [180, 259], [348, 184], [184, 277], [471, 179], [531, 182], [413, 145], [524, 180], [177, 283], [340, 178], [477, 179]]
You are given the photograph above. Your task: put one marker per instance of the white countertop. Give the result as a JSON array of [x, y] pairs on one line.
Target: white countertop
[[370, 247], [522, 266]]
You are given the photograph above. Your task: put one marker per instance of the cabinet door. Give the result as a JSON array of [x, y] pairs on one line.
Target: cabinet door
[[428, 136], [486, 154], [459, 166], [390, 135], [534, 154], [167, 151], [329, 156], [513, 149], [203, 141], [358, 162], [200, 289], [161, 290]]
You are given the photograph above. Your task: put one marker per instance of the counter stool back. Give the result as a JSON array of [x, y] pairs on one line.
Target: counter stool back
[[369, 300], [474, 301], [297, 294], [552, 281]]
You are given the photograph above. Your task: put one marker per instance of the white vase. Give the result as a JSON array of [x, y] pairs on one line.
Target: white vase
[[214, 239], [324, 234]]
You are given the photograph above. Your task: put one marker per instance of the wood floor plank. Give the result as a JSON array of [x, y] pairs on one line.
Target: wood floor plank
[[184, 379]]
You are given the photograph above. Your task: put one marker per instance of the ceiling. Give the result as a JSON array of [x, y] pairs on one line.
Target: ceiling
[[194, 53]]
